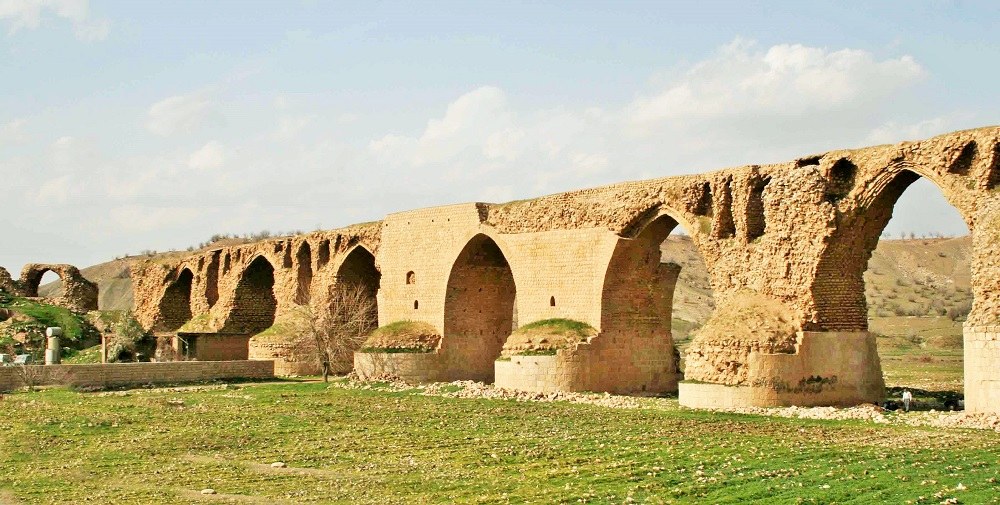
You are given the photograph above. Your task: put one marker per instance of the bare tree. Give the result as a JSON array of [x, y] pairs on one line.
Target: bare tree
[[30, 376], [342, 327]]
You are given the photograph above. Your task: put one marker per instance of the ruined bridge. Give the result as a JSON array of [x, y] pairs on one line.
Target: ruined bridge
[[785, 245]]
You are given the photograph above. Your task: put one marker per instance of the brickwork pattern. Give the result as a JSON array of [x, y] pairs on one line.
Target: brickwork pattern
[[797, 235], [78, 293]]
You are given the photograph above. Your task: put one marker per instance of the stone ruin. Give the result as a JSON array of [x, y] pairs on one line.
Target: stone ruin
[[786, 246], [78, 293]]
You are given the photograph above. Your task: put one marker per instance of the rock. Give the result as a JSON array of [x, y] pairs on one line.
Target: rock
[[278, 464], [208, 490]]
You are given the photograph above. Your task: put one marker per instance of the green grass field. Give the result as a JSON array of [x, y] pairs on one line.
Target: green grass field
[[357, 446]]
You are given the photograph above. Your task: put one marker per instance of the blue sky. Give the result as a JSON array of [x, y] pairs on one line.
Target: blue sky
[[138, 125]]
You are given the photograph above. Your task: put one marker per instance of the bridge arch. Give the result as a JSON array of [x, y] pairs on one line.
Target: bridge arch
[[358, 270], [254, 303], [838, 288], [479, 306], [637, 298], [175, 306]]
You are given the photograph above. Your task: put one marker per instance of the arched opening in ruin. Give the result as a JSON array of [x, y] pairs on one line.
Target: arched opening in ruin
[[324, 254], [254, 303], [49, 285], [304, 274], [657, 290], [175, 306], [902, 272], [212, 280], [358, 271], [478, 308]]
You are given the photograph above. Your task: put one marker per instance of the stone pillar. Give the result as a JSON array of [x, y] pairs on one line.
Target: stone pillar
[[982, 368], [827, 368]]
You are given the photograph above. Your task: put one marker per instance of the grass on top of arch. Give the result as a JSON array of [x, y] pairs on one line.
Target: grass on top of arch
[[559, 326]]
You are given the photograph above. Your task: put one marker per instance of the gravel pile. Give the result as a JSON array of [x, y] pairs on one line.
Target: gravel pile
[[867, 413], [472, 389], [877, 415]]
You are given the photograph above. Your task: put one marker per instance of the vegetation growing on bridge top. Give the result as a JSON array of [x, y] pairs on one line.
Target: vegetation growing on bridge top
[[403, 336], [547, 336]]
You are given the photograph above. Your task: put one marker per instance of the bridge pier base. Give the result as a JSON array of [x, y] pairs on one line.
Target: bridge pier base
[[982, 368], [828, 368], [600, 366]]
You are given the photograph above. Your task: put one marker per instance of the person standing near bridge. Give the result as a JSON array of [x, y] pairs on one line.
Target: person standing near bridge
[[907, 398]]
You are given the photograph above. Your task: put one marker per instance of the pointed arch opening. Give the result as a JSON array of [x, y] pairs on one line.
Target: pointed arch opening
[[479, 309], [175, 306], [254, 303], [656, 293], [901, 270], [358, 271]]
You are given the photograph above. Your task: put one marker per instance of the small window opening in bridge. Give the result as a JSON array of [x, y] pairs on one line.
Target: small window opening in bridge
[[416, 304], [212, 280], [993, 174], [411, 278], [552, 301], [841, 181], [704, 206], [724, 227], [756, 223], [805, 162], [304, 274], [323, 254], [963, 163]]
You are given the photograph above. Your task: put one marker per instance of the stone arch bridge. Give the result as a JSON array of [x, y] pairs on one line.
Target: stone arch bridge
[[786, 246]]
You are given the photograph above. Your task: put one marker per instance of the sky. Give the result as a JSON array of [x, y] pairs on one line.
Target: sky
[[128, 126]]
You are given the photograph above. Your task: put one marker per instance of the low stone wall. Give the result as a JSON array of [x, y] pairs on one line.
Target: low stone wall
[[982, 361], [412, 367], [829, 368], [290, 358], [126, 374], [531, 373]]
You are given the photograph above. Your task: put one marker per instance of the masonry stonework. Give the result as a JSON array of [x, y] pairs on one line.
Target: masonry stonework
[[786, 246], [78, 293]]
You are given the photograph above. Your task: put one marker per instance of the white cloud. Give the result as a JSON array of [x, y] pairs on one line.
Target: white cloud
[[29, 14], [468, 121], [137, 218], [13, 132], [56, 191], [179, 114], [211, 156], [788, 79], [892, 132]]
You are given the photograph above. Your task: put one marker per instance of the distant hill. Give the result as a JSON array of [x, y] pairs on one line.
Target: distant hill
[[920, 277]]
